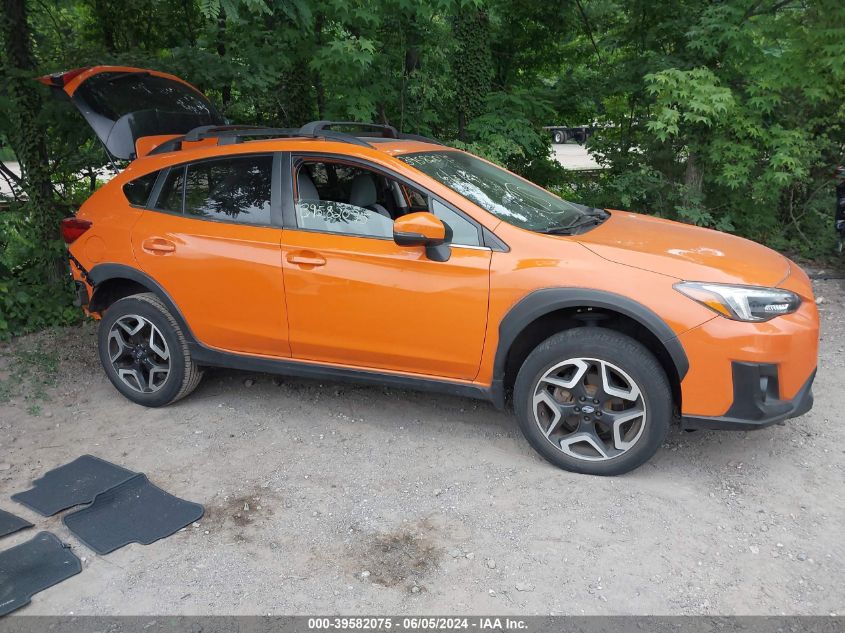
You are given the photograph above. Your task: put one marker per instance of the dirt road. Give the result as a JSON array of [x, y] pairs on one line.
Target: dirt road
[[338, 498]]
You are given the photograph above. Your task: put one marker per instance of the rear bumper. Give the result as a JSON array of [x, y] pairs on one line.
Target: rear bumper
[[755, 401]]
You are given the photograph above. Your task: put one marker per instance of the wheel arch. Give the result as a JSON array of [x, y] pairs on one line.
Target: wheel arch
[[116, 281], [545, 312]]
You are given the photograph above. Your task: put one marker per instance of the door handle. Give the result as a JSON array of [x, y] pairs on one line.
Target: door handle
[[306, 258], [158, 245]]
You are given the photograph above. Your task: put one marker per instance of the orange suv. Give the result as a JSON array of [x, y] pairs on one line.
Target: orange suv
[[390, 258]]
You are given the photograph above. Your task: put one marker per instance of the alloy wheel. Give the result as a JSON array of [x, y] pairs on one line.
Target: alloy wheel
[[589, 409], [138, 353]]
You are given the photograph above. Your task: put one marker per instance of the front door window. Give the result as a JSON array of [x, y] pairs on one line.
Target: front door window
[[336, 197]]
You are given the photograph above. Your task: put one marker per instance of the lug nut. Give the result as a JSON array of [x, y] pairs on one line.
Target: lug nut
[[586, 418], [577, 409], [582, 398], [598, 413], [595, 401]]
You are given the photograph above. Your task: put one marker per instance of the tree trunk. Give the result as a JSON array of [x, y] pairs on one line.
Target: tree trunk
[[472, 65], [226, 90], [27, 136], [411, 65], [105, 18], [318, 79], [693, 181]]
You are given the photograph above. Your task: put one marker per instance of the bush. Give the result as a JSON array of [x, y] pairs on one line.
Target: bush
[[35, 288]]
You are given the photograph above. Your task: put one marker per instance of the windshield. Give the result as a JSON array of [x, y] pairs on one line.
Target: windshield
[[508, 197]]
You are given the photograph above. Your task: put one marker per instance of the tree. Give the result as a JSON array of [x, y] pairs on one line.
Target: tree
[[25, 133], [725, 114], [472, 66]]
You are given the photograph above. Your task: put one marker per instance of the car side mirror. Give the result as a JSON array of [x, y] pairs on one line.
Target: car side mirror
[[424, 229]]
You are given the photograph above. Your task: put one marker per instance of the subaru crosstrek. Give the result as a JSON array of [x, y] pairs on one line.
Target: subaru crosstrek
[[390, 258]]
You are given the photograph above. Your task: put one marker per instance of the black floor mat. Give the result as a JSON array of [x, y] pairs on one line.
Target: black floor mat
[[10, 523], [72, 484], [135, 511], [33, 566]]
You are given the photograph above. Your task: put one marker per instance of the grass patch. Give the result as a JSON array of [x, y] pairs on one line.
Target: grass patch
[[31, 373]]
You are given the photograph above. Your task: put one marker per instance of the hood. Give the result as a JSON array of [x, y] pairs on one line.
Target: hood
[[685, 252]]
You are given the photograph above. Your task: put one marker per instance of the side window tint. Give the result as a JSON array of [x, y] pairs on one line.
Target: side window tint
[[170, 197], [138, 191], [339, 198], [231, 190], [464, 232]]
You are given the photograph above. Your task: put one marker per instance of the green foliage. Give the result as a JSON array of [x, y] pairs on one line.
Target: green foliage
[[472, 65], [35, 290], [505, 132], [690, 98], [724, 114], [727, 115]]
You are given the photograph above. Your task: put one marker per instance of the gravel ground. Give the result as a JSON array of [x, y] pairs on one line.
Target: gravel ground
[[339, 498]]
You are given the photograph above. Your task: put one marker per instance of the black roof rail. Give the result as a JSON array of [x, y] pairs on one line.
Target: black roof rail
[[321, 128], [227, 134], [316, 127], [210, 131]]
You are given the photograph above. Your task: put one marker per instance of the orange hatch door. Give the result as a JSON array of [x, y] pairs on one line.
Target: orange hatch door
[[123, 104]]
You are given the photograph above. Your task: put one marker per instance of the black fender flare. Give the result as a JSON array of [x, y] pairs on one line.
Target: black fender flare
[[542, 302], [103, 272]]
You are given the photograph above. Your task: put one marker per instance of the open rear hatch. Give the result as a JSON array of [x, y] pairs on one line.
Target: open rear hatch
[[123, 104]]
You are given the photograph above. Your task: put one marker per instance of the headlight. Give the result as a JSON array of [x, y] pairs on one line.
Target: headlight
[[741, 303]]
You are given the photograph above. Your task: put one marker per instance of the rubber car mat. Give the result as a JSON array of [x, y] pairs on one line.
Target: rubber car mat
[[135, 511], [10, 523], [34, 566], [72, 484]]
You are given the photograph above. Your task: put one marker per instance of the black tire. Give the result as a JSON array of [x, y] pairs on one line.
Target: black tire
[[184, 374], [559, 137], [615, 348]]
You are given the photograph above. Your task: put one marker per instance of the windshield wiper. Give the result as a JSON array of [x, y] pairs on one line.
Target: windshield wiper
[[567, 229]]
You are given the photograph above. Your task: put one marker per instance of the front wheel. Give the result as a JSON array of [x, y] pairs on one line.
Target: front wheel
[[144, 352], [593, 401]]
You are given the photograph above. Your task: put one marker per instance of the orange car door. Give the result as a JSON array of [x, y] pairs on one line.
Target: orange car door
[[219, 259], [354, 297]]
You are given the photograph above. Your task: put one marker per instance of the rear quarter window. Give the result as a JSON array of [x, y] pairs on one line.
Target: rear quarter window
[[138, 191]]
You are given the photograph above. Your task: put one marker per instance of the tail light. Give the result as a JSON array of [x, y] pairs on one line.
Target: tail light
[[73, 228]]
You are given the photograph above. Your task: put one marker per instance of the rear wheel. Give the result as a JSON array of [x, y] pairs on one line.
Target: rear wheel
[[593, 401], [559, 137], [144, 352]]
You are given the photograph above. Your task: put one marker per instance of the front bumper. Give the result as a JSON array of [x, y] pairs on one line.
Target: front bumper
[[755, 401]]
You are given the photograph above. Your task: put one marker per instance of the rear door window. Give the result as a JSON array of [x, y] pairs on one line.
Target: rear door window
[[170, 196], [233, 189]]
